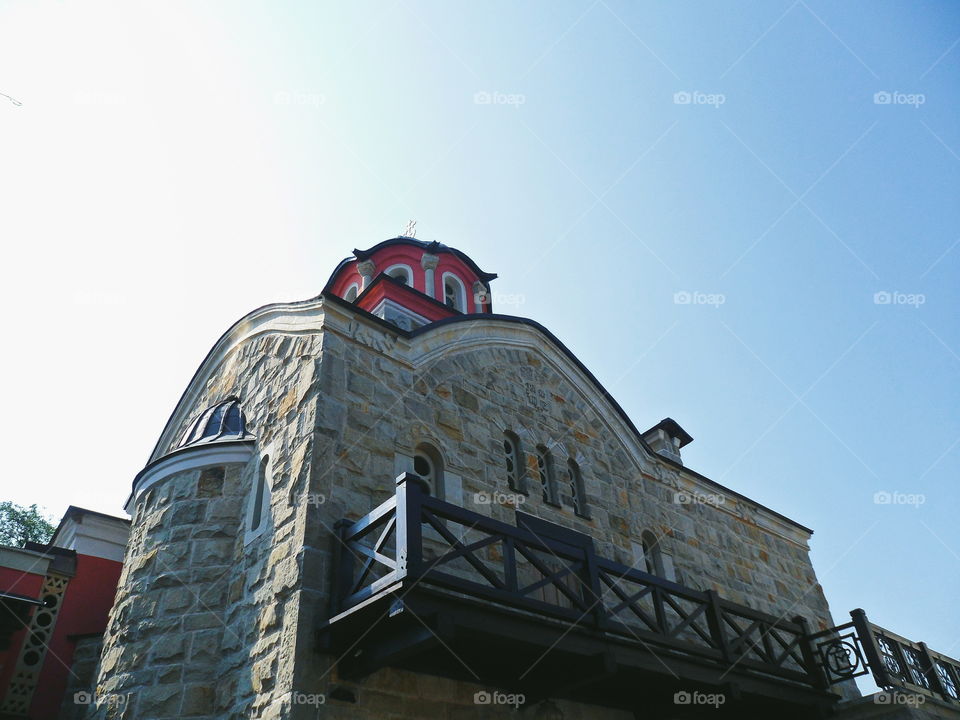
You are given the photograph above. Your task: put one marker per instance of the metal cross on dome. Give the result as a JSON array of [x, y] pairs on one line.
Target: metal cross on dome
[[410, 230]]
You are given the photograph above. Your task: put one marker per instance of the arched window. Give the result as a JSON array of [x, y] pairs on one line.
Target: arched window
[[578, 496], [261, 495], [545, 470], [652, 558], [351, 294], [454, 294], [428, 464], [515, 461], [401, 272]]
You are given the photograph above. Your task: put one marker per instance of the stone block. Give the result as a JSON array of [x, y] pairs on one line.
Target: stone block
[[197, 700], [187, 513], [159, 701]]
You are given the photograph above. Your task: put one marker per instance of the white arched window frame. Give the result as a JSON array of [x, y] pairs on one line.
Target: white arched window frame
[[652, 558], [548, 483], [352, 292], [515, 461], [578, 494], [454, 292], [655, 560], [401, 272], [428, 464], [258, 505]]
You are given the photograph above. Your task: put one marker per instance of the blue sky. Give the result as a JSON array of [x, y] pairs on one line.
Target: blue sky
[[742, 215]]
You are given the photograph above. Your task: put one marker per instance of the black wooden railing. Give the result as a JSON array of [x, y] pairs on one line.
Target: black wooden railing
[[415, 539], [860, 647]]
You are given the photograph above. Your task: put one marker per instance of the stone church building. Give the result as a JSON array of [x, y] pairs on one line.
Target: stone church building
[[390, 501]]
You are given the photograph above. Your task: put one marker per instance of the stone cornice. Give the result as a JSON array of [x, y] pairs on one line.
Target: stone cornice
[[189, 458]]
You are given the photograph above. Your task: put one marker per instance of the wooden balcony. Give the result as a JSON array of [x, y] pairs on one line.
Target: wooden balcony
[[430, 587]]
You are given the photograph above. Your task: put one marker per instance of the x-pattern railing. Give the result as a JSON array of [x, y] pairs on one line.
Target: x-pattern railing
[[415, 538]]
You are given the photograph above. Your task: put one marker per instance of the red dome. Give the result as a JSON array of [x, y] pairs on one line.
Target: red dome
[[412, 283]]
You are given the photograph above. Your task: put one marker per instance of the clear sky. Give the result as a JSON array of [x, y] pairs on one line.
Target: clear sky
[[742, 215]]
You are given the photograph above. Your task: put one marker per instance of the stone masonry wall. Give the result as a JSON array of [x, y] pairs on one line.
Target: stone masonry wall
[[373, 407], [376, 402], [83, 668], [205, 622]]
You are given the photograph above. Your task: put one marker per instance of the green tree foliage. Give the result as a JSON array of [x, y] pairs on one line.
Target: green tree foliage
[[19, 524]]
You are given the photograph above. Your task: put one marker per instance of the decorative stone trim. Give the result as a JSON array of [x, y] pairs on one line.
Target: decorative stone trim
[[191, 458]]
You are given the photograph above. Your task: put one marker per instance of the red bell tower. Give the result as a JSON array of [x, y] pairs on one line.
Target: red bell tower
[[412, 283]]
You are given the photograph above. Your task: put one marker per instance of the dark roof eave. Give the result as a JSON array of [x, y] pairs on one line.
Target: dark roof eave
[[432, 247], [74, 510], [673, 429], [249, 439]]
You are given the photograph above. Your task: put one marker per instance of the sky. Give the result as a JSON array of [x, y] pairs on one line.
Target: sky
[[741, 215]]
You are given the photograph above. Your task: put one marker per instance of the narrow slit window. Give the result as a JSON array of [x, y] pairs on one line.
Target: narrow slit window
[[578, 496], [545, 471], [454, 293], [513, 458], [651, 554], [260, 490]]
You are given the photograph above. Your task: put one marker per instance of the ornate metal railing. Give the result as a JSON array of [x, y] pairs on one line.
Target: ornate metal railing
[[414, 539], [861, 647]]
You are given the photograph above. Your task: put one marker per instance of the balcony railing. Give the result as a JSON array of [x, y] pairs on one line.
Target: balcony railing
[[896, 663], [415, 541]]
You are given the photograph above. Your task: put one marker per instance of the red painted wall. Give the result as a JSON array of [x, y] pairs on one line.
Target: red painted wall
[[405, 297], [86, 605], [410, 255], [28, 584]]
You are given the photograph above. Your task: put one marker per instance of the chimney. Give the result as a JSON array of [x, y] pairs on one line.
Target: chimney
[[666, 438]]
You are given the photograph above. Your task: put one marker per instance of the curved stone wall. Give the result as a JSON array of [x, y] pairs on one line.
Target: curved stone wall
[[206, 609]]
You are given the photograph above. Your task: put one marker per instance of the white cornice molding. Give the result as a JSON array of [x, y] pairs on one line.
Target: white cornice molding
[[23, 560], [228, 453]]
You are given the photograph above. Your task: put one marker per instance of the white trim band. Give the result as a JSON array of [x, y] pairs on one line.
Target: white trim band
[[191, 459]]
